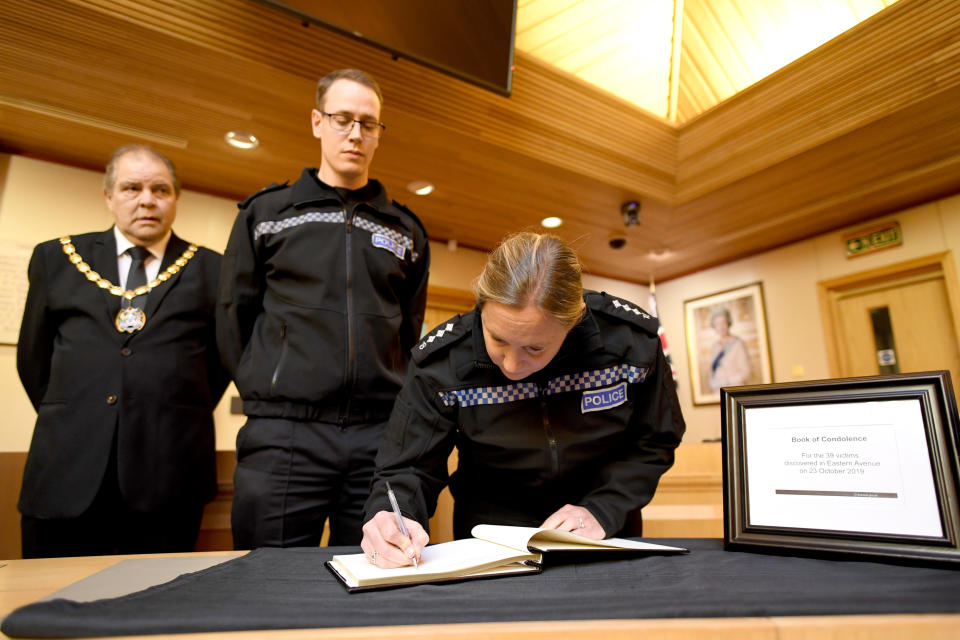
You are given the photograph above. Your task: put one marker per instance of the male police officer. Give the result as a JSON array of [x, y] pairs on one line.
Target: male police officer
[[322, 296]]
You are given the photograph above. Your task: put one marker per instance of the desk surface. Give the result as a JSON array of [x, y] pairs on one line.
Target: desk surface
[[25, 581]]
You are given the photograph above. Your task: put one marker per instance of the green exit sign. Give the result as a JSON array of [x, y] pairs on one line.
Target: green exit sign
[[873, 239]]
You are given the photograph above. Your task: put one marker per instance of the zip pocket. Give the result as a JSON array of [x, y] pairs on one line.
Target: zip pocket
[[283, 352]]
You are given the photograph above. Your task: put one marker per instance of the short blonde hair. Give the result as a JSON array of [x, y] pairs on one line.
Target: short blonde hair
[[533, 268]]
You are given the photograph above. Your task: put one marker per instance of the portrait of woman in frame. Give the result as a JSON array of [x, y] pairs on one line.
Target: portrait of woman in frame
[[727, 341]]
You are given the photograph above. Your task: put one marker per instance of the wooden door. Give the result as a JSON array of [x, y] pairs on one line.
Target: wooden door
[[916, 300]]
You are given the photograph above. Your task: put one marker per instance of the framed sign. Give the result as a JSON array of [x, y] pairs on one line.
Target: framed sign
[[859, 466], [727, 341]]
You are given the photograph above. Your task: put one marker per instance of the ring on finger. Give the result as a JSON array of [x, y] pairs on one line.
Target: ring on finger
[[373, 557], [580, 518]]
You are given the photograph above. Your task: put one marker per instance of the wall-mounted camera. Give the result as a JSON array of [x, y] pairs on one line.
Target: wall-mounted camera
[[631, 213], [617, 241]]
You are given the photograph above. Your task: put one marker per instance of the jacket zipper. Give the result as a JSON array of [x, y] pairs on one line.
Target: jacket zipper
[[348, 370], [283, 352], [552, 442]]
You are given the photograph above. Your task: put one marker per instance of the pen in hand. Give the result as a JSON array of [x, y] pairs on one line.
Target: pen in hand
[[396, 512]]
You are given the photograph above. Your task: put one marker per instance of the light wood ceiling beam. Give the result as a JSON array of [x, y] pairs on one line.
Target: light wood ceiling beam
[[899, 56]]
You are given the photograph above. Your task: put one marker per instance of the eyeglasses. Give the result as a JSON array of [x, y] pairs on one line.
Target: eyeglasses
[[344, 124]]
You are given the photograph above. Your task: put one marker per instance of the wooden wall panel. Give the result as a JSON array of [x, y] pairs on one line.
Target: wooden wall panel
[[11, 477], [689, 498], [214, 529]]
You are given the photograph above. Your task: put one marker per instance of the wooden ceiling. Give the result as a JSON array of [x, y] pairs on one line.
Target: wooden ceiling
[[866, 124], [677, 59]]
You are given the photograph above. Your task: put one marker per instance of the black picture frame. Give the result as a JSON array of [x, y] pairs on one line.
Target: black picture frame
[[760, 516]]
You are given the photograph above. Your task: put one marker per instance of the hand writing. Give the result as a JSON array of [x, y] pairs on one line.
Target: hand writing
[[382, 536]]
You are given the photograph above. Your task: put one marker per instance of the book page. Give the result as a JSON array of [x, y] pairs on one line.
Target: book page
[[460, 557], [514, 537], [555, 540]]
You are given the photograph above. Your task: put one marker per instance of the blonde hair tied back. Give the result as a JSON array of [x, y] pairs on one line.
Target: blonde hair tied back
[[534, 268]]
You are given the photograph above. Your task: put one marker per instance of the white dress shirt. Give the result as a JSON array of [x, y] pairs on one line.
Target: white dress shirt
[[152, 263]]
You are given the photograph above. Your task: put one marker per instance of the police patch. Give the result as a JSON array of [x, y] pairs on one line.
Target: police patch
[[391, 245], [601, 399]]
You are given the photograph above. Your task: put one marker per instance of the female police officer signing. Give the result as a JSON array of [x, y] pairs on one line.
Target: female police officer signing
[[560, 403]]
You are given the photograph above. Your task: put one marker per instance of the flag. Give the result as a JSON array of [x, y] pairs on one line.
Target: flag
[[660, 332]]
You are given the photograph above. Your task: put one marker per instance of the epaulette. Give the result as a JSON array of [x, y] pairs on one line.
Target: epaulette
[[265, 190], [410, 213], [443, 336], [610, 305]]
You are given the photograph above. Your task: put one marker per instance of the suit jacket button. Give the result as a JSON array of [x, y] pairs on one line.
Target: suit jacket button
[[111, 399], [126, 351]]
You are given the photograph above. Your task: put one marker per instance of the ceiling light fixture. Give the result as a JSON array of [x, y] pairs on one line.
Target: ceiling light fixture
[[420, 187], [241, 140], [660, 253], [551, 222]]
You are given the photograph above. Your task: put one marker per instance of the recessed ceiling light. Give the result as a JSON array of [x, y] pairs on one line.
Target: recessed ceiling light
[[420, 187], [660, 253], [241, 139], [551, 222]]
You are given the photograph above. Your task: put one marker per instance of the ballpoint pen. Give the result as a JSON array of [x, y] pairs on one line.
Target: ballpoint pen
[[396, 513]]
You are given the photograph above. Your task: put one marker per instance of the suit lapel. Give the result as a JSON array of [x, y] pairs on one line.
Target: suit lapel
[[175, 247], [104, 262]]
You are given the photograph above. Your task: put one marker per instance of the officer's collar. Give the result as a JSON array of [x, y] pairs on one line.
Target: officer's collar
[[310, 189], [583, 338]]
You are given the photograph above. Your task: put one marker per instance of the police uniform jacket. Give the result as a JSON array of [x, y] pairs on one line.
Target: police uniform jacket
[[152, 392], [321, 301], [597, 427]]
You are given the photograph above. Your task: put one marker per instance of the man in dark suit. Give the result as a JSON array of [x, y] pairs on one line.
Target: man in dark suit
[[117, 353]]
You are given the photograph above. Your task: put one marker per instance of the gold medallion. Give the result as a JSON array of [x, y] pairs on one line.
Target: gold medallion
[[130, 319]]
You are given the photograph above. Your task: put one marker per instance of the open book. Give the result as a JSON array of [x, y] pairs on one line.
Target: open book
[[494, 550]]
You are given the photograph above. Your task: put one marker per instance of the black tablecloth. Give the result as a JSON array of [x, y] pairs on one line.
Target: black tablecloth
[[290, 588]]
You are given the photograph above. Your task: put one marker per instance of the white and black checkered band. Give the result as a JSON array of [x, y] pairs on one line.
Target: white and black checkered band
[[525, 390], [396, 236], [335, 217], [275, 226], [597, 378], [490, 395]]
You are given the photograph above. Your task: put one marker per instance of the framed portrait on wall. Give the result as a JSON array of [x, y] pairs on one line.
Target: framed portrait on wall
[[727, 343]]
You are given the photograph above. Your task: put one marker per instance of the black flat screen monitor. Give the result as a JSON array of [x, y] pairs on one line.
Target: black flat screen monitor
[[469, 39]]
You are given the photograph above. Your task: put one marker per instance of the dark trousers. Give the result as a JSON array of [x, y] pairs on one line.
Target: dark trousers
[[109, 526], [292, 475]]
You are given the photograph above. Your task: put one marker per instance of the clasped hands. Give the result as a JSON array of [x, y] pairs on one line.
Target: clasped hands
[[385, 545]]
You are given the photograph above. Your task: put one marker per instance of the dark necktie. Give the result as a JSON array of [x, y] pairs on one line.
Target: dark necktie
[[137, 275]]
